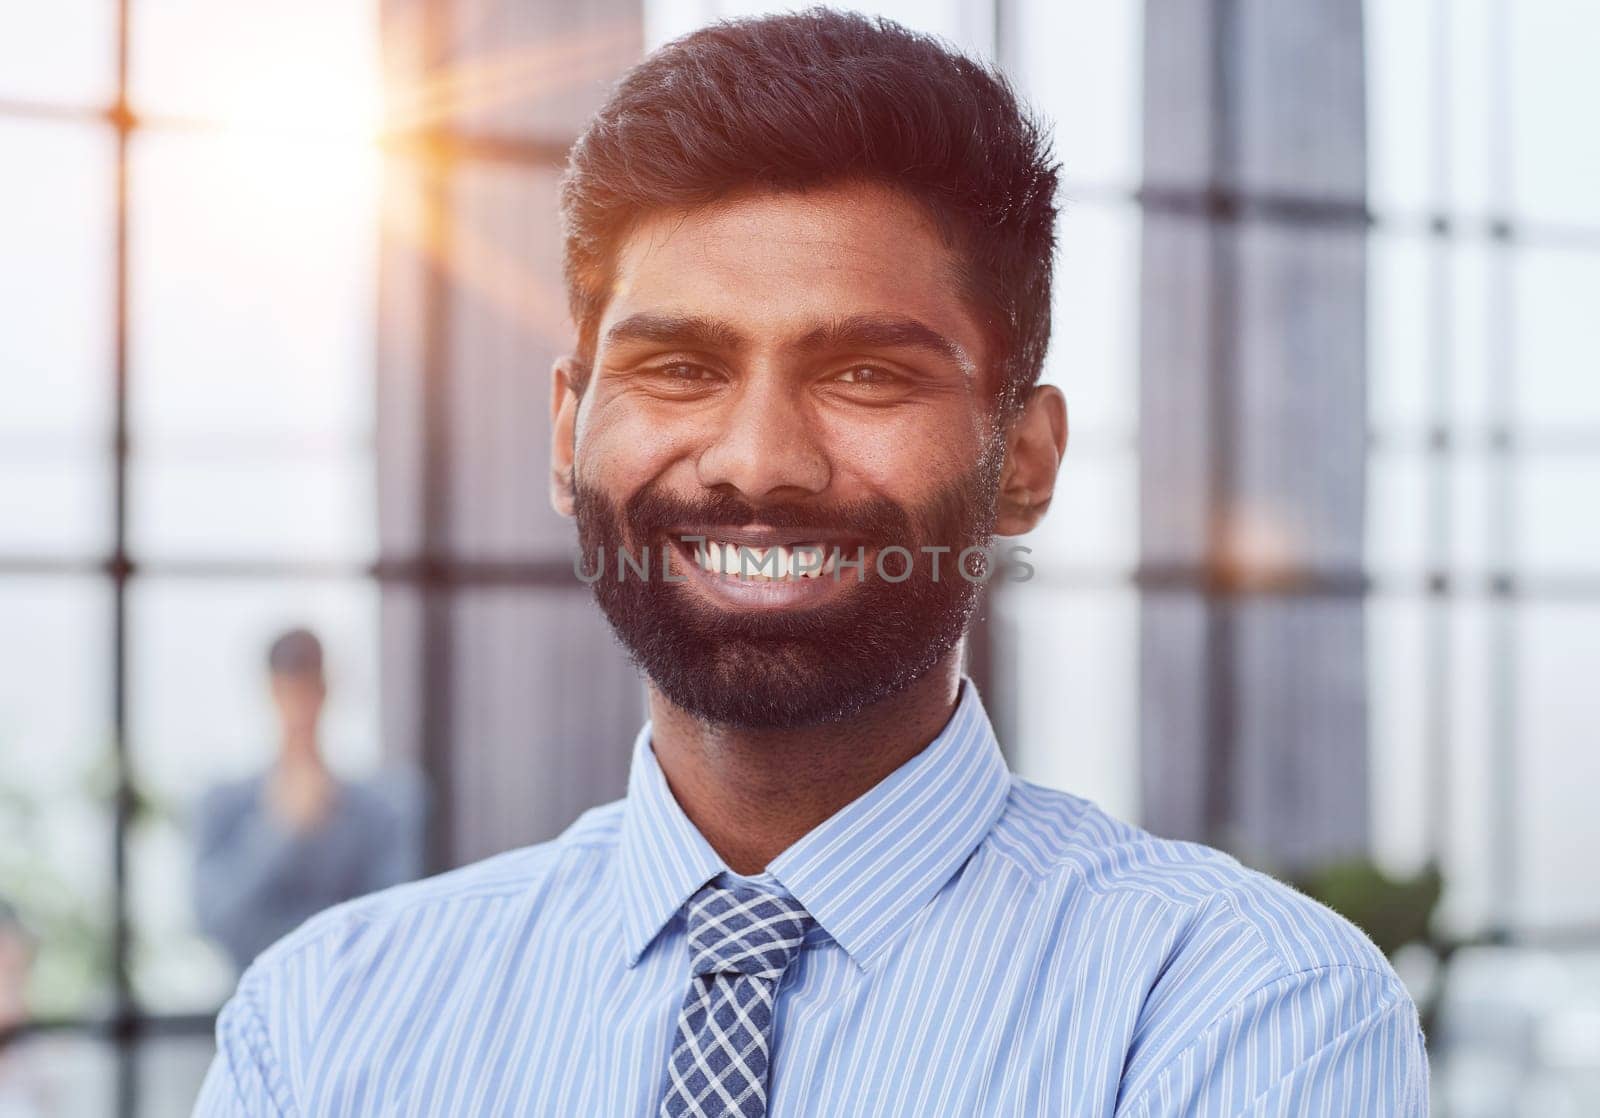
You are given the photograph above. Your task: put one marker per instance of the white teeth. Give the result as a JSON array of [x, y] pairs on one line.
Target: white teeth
[[807, 562], [743, 561], [746, 562]]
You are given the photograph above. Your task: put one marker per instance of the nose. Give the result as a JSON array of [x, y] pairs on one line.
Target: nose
[[766, 446]]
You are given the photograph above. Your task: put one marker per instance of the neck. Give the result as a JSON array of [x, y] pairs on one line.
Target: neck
[[754, 793], [299, 747]]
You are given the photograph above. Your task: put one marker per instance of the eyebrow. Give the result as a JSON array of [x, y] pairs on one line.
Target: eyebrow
[[685, 331], [862, 331], [874, 331]]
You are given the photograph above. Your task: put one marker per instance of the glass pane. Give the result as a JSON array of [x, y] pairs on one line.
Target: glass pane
[[1398, 497], [539, 725], [1402, 42], [202, 716], [1069, 55], [56, 275], [62, 52], [1476, 541], [508, 324], [55, 498], [1557, 709], [1092, 525], [171, 1070], [1094, 341], [58, 1075], [1471, 897], [1557, 531], [55, 341], [253, 268], [194, 505], [1399, 349], [1398, 725], [1475, 314], [1555, 156], [1472, 37], [1069, 679], [55, 832], [253, 348], [304, 64], [1557, 355], [176, 969]]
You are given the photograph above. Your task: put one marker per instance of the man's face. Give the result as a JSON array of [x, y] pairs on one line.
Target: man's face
[[784, 370]]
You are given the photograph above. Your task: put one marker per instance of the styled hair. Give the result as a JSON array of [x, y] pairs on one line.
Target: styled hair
[[295, 652], [814, 99]]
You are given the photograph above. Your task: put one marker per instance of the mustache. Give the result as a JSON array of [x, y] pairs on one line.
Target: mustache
[[649, 513]]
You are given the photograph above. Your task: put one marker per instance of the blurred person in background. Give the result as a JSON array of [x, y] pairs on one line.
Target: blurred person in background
[[286, 843]]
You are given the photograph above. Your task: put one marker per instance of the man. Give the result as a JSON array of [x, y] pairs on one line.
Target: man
[[285, 844], [809, 265]]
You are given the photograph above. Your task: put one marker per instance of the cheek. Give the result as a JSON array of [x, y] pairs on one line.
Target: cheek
[[903, 452], [620, 446]]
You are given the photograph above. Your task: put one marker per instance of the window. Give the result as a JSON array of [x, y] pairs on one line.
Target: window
[[238, 392], [1485, 453], [187, 364]]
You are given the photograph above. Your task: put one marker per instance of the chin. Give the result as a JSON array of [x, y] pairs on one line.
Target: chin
[[751, 686]]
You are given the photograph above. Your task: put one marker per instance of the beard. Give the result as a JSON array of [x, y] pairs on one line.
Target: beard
[[779, 669]]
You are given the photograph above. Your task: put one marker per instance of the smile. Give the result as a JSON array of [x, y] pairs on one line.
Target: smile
[[777, 563], [742, 574]]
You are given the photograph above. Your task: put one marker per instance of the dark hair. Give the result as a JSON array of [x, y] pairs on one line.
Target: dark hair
[[296, 652], [811, 99]]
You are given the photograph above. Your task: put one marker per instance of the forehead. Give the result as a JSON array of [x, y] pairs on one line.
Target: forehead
[[773, 264]]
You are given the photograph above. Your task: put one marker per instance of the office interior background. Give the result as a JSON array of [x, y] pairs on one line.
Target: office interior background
[[279, 293]]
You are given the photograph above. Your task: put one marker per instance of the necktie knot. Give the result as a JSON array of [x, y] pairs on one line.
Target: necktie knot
[[741, 930]]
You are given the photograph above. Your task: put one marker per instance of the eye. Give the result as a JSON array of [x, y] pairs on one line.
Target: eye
[[867, 374], [683, 371]]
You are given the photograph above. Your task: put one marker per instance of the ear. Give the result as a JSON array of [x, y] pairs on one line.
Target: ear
[[1035, 442], [565, 380]]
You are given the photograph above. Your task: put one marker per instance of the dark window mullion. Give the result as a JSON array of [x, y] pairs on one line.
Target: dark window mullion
[[1221, 608], [1504, 776], [1439, 492], [125, 1013], [436, 716]]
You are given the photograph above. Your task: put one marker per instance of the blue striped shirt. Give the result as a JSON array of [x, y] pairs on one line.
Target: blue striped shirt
[[983, 946]]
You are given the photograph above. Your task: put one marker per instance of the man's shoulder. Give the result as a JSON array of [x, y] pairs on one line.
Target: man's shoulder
[[410, 915], [1203, 899], [233, 794], [1225, 983]]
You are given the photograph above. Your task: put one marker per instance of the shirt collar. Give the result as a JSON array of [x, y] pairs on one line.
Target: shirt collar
[[863, 873]]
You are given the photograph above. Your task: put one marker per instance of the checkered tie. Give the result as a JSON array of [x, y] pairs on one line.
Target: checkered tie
[[741, 940]]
